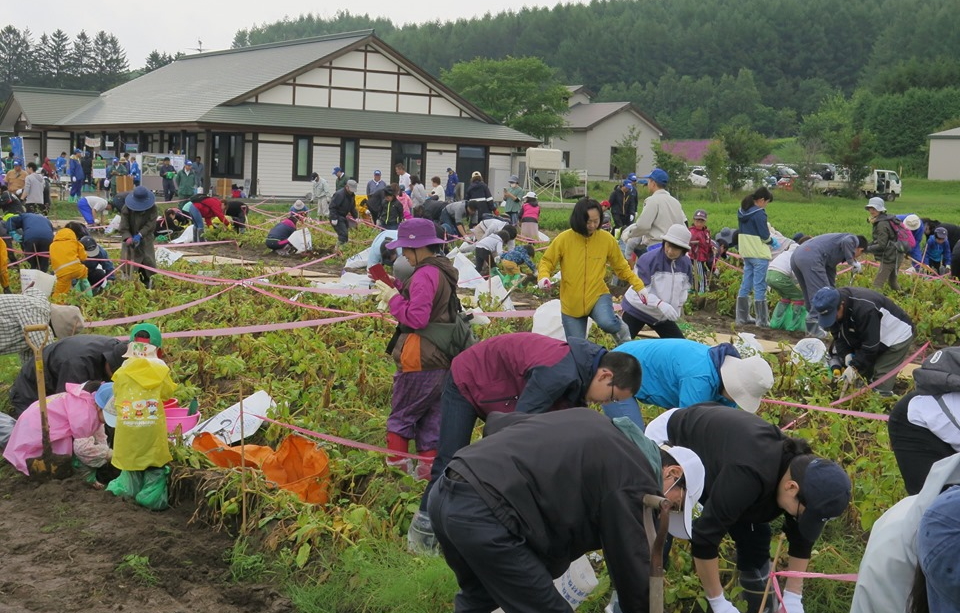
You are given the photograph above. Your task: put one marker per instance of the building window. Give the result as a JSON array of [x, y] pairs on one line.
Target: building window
[[350, 157], [188, 146], [227, 155], [470, 160], [566, 159], [302, 158], [411, 156]]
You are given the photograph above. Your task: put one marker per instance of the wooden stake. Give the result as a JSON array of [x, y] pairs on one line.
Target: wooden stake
[[770, 579], [243, 471]]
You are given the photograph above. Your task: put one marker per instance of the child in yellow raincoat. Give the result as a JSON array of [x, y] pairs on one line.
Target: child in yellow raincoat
[[140, 447], [66, 257]]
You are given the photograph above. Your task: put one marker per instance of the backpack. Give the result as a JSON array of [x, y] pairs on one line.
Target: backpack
[[905, 239], [940, 373]]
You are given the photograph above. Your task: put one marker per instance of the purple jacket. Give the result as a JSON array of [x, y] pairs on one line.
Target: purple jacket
[[526, 373]]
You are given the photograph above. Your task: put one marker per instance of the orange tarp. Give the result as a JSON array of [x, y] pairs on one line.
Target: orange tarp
[[298, 465]]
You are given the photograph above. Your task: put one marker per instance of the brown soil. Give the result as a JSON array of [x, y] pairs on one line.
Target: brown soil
[[63, 543]]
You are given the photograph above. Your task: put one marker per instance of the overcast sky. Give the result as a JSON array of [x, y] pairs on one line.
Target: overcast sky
[[176, 26]]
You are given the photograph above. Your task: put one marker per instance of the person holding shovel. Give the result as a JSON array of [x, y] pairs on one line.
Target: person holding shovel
[[754, 475], [515, 509], [72, 414]]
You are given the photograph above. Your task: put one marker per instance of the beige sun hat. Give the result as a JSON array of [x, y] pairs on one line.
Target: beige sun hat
[[678, 235], [746, 380]]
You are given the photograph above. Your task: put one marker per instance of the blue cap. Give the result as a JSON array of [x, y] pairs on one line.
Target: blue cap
[[632, 177], [188, 163], [377, 172], [337, 169], [824, 493], [17, 162], [627, 183], [116, 159], [102, 397], [659, 176], [78, 150], [826, 302]]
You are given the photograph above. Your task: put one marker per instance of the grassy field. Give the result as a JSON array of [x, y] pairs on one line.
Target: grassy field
[[790, 212]]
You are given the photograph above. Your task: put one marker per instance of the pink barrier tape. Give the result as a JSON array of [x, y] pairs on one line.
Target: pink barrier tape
[[293, 325], [728, 264], [200, 244], [300, 304], [508, 314], [850, 577], [320, 290], [134, 318], [892, 373], [811, 407], [343, 441]]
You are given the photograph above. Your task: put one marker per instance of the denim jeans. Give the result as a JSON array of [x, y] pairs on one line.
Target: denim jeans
[[457, 420], [755, 278], [601, 313], [197, 218]]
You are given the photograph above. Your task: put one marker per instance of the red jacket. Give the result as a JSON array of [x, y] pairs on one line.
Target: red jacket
[[526, 373], [211, 207], [701, 250]]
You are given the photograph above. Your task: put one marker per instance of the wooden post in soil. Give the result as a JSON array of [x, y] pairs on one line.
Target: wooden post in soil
[[243, 471], [771, 578]]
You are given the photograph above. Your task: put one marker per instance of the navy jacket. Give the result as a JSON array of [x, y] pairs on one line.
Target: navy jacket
[[32, 226]]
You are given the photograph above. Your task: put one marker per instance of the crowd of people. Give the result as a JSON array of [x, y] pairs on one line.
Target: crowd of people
[[509, 513]]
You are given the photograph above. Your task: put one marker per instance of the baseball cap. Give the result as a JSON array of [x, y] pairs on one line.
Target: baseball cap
[[104, 400], [700, 214], [152, 331], [826, 302], [90, 246], [627, 183], [940, 233], [377, 172], [352, 185], [681, 523], [513, 179], [337, 169], [449, 170], [659, 176], [877, 204], [188, 163], [530, 195], [632, 177], [824, 492], [115, 160]]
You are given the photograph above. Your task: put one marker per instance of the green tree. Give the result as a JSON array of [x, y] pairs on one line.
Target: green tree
[[744, 149], [522, 93], [158, 60], [80, 62], [16, 59], [624, 156], [715, 161]]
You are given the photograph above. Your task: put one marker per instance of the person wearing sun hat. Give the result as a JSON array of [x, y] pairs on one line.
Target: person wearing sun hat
[[427, 298], [511, 512], [668, 277], [754, 475], [872, 335], [883, 245], [679, 373], [138, 222], [913, 223]]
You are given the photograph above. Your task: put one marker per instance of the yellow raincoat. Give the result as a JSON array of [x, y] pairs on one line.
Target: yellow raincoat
[[141, 385], [66, 257]]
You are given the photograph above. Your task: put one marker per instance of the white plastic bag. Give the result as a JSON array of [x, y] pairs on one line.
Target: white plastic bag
[[811, 350], [494, 287], [358, 261], [38, 282], [113, 226], [469, 275], [301, 240], [166, 257], [186, 237], [747, 344], [226, 424], [547, 321]]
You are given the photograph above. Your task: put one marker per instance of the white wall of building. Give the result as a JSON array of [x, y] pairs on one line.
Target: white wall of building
[[944, 160], [590, 150]]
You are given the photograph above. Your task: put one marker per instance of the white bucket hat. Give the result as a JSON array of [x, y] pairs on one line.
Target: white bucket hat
[[912, 222], [746, 380], [876, 203], [681, 524], [678, 235]]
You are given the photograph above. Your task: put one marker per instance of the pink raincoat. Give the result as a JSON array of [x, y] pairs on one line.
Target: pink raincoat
[[72, 414]]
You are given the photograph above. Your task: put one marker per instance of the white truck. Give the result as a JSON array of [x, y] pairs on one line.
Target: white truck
[[885, 184]]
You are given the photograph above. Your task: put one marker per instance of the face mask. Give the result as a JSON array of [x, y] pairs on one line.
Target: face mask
[[671, 487]]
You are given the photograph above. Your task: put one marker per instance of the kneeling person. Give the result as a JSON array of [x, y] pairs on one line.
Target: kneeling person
[[511, 513]]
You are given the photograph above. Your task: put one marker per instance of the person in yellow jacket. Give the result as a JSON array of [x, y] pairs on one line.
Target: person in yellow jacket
[[582, 253], [140, 447], [66, 259]]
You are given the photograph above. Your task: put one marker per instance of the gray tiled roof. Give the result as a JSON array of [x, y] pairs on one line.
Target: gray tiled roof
[[378, 123], [585, 116], [47, 107], [186, 89]]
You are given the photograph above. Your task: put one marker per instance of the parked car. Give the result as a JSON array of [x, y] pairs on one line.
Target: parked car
[[698, 177]]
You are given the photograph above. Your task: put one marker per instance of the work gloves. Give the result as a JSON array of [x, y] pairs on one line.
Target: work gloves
[[134, 241], [544, 283], [333, 222], [849, 376], [386, 293], [857, 267], [668, 310]]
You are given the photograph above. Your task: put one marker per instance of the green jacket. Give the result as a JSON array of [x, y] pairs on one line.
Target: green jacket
[[186, 184], [511, 205], [342, 181], [884, 243]]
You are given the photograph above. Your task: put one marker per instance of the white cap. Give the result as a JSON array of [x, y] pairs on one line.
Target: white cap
[[530, 195], [746, 380], [681, 523]]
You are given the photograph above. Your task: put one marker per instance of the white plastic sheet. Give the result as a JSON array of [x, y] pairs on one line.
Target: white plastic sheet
[[113, 226], [494, 287], [469, 275], [301, 240], [186, 237], [166, 257], [226, 424], [38, 282]]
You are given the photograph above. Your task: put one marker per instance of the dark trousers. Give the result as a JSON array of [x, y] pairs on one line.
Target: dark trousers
[[915, 447], [753, 545], [39, 262], [664, 329], [493, 566], [94, 276], [484, 260], [457, 420], [343, 231], [169, 190]]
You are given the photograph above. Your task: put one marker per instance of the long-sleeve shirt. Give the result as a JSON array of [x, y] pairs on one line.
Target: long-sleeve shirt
[[519, 256], [33, 189], [660, 211]]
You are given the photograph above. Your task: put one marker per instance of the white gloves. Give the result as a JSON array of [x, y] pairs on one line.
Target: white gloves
[[106, 182], [721, 605], [386, 293], [668, 311], [847, 361], [849, 376], [857, 267], [20, 192], [545, 283], [333, 222], [792, 602]]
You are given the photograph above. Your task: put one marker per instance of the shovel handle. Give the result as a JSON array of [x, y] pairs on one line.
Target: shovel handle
[[36, 328]]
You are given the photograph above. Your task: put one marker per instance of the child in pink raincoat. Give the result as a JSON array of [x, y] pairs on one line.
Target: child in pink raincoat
[[72, 414]]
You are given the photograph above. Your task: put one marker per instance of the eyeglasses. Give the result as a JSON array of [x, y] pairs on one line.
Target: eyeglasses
[[612, 390]]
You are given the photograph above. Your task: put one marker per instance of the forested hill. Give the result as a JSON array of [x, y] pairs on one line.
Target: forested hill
[[761, 62]]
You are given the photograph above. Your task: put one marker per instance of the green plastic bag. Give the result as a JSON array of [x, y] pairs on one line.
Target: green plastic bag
[[127, 485], [153, 496], [83, 287]]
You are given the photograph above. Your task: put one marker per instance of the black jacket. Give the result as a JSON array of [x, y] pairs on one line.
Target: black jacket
[[568, 482], [871, 323], [75, 359], [342, 204], [744, 458], [622, 206]]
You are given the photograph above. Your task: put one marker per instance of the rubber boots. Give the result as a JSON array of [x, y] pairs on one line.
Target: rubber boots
[[779, 317], [814, 330], [623, 335], [754, 583], [395, 442], [743, 311], [760, 306], [420, 537]]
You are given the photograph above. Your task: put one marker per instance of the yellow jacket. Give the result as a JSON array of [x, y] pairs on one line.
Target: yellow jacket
[[141, 385], [583, 269], [64, 249]]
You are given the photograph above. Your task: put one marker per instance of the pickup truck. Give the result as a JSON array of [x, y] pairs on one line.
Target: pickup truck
[[883, 183]]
